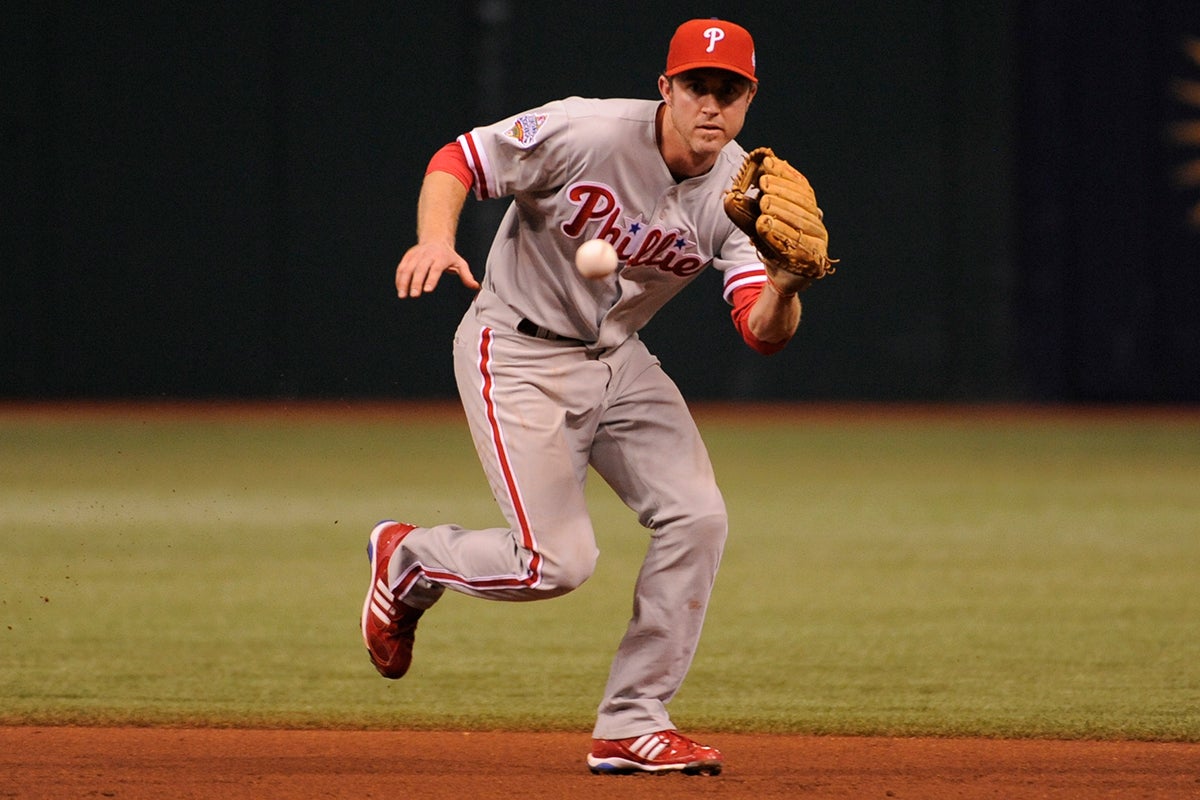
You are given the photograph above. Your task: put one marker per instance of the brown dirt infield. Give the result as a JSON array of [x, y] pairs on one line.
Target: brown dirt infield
[[144, 763]]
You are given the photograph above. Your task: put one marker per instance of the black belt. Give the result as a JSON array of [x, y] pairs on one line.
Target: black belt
[[538, 332]]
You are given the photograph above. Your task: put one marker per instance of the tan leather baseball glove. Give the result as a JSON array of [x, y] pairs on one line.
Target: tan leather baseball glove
[[776, 207]]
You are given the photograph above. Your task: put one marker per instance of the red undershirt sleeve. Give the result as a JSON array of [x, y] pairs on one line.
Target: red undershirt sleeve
[[453, 160], [743, 300]]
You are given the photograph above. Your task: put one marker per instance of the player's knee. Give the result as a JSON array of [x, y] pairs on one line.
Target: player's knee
[[710, 530], [697, 539], [705, 525], [566, 574]]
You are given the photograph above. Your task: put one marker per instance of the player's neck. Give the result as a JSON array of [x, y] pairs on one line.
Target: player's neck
[[681, 160]]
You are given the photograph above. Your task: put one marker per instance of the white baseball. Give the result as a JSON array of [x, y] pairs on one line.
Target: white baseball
[[596, 259]]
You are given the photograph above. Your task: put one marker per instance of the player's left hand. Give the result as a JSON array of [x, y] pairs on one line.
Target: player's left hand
[[786, 282], [775, 205]]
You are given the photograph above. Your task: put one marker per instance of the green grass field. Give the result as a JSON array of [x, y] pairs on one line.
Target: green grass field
[[950, 573]]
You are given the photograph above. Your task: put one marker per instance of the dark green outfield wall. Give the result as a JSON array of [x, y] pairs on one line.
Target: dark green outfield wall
[[211, 202]]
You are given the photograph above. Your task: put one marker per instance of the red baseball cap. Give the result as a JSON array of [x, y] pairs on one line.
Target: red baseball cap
[[700, 43]]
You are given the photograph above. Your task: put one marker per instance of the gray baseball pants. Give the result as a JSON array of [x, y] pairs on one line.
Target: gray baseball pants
[[540, 412]]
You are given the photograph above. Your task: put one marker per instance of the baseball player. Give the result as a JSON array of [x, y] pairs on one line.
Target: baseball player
[[554, 378]]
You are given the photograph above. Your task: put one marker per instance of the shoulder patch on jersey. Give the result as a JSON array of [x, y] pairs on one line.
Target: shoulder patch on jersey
[[525, 128]]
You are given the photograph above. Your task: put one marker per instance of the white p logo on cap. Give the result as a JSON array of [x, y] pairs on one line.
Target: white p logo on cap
[[713, 35]]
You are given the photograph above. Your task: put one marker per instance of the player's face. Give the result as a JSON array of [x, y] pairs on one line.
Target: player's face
[[706, 108]]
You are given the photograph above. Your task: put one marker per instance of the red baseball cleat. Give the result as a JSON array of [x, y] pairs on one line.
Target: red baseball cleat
[[665, 751], [388, 625]]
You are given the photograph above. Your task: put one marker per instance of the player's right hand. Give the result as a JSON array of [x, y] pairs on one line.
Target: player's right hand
[[422, 267]]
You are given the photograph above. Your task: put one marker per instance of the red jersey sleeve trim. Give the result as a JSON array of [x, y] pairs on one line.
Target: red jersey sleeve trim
[[453, 160], [478, 164]]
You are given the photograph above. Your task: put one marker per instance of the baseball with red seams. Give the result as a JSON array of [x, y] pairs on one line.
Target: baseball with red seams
[[596, 259]]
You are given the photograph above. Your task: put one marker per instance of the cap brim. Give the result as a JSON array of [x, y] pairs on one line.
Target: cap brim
[[710, 65]]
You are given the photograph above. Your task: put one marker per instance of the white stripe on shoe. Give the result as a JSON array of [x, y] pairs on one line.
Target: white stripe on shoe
[[381, 602], [649, 746]]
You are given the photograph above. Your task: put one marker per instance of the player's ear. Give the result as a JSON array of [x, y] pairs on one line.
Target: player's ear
[[664, 88]]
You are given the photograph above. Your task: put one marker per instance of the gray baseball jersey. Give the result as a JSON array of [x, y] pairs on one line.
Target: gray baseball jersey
[[578, 170]]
